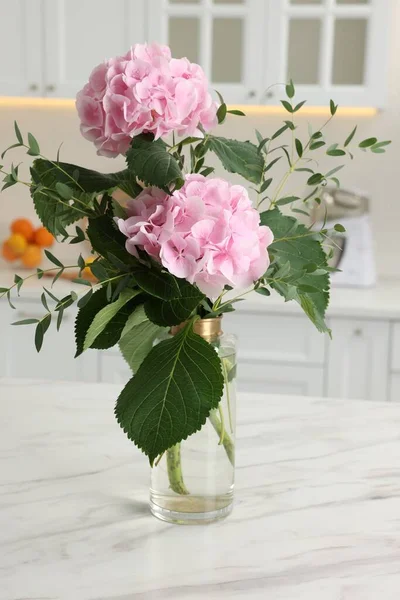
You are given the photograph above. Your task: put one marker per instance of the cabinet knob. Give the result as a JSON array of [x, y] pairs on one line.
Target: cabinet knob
[[33, 87], [252, 94], [358, 332], [50, 88], [268, 94]]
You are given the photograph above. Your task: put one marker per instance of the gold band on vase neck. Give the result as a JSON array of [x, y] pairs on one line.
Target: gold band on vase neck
[[208, 329]]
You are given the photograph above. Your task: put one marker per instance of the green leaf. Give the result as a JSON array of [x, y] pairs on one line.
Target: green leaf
[[315, 179], [137, 338], [150, 162], [296, 246], [316, 145], [290, 91], [64, 190], [10, 148], [18, 133], [26, 322], [263, 291], [55, 212], [287, 106], [170, 397], [157, 283], [34, 149], [299, 147], [239, 157], [333, 171], [368, 142], [339, 228], [221, 113], [350, 137], [85, 299], [299, 106], [235, 111], [85, 317], [176, 310], [40, 332], [53, 259], [287, 200], [105, 315], [107, 239], [265, 185], [279, 132], [272, 163], [333, 107]]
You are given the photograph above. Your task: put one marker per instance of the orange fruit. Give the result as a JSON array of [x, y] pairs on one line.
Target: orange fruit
[[17, 244], [24, 227], [7, 253], [43, 238], [32, 256]]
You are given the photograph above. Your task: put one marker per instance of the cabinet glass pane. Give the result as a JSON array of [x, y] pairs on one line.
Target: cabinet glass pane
[[184, 37], [349, 51], [304, 50], [227, 50], [305, 1], [352, 1]]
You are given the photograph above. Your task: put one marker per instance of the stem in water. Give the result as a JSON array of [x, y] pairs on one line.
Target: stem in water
[[174, 468]]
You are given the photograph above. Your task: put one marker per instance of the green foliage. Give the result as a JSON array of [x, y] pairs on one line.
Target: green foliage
[[293, 250], [238, 157], [54, 211], [155, 282], [137, 338], [106, 239], [105, 315], [150, 162], [86, 315], [175, 310], [171, 395]]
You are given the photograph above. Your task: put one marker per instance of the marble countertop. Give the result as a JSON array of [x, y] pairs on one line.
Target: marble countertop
[[316, 514]]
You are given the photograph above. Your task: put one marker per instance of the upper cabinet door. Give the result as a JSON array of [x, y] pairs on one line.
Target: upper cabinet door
[[80, 34], [20, 48], [223, 36], [330, 48]]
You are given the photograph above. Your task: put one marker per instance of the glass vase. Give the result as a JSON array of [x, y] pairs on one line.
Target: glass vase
[[192, 483]]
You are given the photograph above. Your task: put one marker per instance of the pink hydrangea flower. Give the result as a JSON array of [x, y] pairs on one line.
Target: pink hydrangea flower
[[207, 232], [145, 91]]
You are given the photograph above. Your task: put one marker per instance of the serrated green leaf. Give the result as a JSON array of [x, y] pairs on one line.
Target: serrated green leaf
[[136, 343], [179, 382], [64, 190], [107, 239], [155, 282], [176, 310], [105, 315], [150, 162], [295, 245], [238, 157]]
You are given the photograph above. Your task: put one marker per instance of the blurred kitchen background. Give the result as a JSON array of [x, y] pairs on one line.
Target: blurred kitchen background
[[347, 50]]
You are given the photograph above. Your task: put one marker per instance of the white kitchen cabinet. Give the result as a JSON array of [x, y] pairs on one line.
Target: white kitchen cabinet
[[80, 34], [394, 389], [224, 36], [21, 72], [331, 49], [265, 378], [18, 356], [358, 359]]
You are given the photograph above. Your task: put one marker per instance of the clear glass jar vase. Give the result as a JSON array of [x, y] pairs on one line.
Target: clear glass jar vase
[[193, 481]]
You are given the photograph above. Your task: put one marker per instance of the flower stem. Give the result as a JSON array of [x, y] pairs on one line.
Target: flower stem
[[174, 468], [227, 441]]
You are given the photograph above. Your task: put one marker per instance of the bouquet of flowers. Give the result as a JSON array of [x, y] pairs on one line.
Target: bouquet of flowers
[[187, 245]]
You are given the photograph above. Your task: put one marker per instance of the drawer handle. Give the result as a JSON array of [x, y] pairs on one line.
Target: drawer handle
[[358, 332]]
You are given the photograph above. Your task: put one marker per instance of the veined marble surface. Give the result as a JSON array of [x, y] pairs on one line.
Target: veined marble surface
[[317, 512]]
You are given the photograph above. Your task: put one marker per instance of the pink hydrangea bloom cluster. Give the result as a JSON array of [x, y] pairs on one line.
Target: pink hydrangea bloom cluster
[[207, 233], [145, 91]]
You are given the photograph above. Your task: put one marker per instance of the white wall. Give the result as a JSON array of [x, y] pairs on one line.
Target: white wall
[[375, 174]]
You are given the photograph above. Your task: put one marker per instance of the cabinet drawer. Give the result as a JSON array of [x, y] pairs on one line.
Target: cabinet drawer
[[263, 378], [394, 388], [395, 363], [276, 338]]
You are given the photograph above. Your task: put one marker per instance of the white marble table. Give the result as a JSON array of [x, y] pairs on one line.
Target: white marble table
[[317, 511]]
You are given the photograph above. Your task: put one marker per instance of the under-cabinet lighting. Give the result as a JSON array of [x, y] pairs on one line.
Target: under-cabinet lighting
[[254, 110]]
